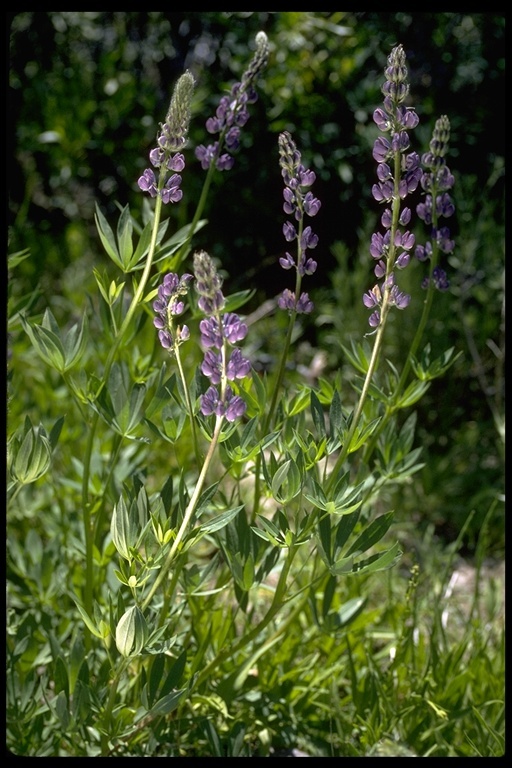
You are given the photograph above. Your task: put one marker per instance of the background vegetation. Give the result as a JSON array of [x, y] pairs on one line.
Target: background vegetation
[[87, 90], [86, 93]]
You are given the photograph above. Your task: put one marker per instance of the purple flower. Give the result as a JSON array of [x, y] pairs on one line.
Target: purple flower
[[439, 277], [168, 305], [232, 113], [299, 202], [218, 333], [287, 300], [287, 261], [235, 406], [423, 252], [373, 298], [379, 244], [210, 334], [405, 217], [374, 319], [442, 236], [436, 180], [406, 117], [311, 204], [206, 154], [395, 119], [212, 366], [233, 328], [289, 231], [172, 137], [302, 305], [398, 298], [208, 284], [384, 172], [383, 191], [382, 119], [238, 366], [211, 403], [380, 269], [402, 260], [381, 149], [444, 205], [166, 339], [172, 192], [308, 239], [404, 240], [147, 182]]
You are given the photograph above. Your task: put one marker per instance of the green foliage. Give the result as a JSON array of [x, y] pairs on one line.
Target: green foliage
[[184, 584]]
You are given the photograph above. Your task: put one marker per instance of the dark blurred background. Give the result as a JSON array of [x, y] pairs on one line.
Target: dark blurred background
[[87, 90]]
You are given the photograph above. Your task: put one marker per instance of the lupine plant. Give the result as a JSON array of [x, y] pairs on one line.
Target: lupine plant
[[215, 508]]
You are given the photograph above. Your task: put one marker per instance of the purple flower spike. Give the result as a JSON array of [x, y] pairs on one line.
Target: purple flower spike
[[218, 333], [232, 113], [171, 138], [391, 155], [436, 181], [299, 202], [169, 305]]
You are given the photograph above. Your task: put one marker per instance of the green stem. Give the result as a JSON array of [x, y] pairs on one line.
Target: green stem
[[393, 406], [188, 402], [244, 640], [356, 417], [107, 714], [280, 377], [188, 514], [86, 508], [182, 253], [362, 398]]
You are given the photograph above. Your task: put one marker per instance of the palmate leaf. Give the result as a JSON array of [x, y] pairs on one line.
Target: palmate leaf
[[107, 237], [344, 501], [362, 434], [120, 404], [377, 562], [286, 482], [124, 528], [426, 370], [318, 414], [91, 626], [358, 356], [344, 616], [270, 532], [61, 351], [413, 393], [246, 450], [216, 524], [125, 235], [120, 249], [168, 703], [372, 534], [137, 261], [171, 249], [220, 521]]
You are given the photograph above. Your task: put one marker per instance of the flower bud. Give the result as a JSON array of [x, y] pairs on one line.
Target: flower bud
[[131, 632]]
